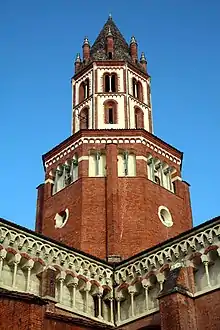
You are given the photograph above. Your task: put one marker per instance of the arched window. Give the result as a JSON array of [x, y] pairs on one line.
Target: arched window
[[84, 118], [137, 89], [134, 87], [110, 82], [110, 112], [84, 90], [139, 118]]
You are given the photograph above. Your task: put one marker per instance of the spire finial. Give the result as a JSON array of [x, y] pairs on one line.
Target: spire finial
[[143, 58], [133, 40], [86, 41], [78, 59], [110, 16]]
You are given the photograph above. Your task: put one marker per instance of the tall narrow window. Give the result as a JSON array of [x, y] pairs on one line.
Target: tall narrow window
[[134, 87], [139, 118], [110, 112], [84, 90], [110, 55], [81, 92], [107, 83], [137, 89], [84, 118], [113, 82], [110, 116]]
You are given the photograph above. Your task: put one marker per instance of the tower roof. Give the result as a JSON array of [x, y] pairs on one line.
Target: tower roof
[[121, 48]]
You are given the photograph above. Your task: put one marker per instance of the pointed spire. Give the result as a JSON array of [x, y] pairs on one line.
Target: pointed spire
[[110, 16], [133, 40], [78, 59], [143, 58], [121, 48]]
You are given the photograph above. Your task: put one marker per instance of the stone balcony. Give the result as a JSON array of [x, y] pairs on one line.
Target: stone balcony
[[93, 289]]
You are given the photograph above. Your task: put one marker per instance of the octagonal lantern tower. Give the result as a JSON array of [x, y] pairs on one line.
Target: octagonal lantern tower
[[112, 189]]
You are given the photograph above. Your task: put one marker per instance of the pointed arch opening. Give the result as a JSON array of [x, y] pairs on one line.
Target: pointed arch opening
[[84, 118], [139, 118]]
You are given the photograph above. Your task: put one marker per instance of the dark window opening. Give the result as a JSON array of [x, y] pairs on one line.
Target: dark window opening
[[113, 83], [84, 91], [136, 120], [110, 55], [137, 91], [110, 116], [134, 87], [174, 187], [107, 83], [156, 179], [96, 304]]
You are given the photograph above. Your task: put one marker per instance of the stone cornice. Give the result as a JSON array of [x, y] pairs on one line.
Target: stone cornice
[[119, 136]]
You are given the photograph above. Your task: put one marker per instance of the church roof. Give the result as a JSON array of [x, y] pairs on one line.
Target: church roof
[[121, 48]]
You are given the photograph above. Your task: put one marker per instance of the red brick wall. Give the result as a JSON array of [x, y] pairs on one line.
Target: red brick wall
[[20, 315], [141, 228], [114, 216], [208, 311], [60, 325]]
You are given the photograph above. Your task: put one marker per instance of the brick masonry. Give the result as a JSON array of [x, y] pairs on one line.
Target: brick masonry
[[114, 215]]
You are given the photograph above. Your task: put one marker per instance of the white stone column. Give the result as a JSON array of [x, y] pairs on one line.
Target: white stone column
[[28, 266], [150, 162], [73, 284], [167, 172], [131, 290], [111, 310], [99, 295], [61, 278], [205, 262], [146, 285], [118, 309], [16, 261], [87, 289], [160, 278], [3, 254]]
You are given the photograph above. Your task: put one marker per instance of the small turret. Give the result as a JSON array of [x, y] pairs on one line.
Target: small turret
[[134, 49], [143, 61], [86, 49], [77, 62]]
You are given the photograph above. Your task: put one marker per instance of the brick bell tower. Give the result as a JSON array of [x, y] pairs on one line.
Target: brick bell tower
[[112, 189]]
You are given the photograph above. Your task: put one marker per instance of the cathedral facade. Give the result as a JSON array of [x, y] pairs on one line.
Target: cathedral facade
[[114, 246]]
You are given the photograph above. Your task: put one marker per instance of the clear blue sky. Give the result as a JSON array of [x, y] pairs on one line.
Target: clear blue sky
[[38, 43]]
